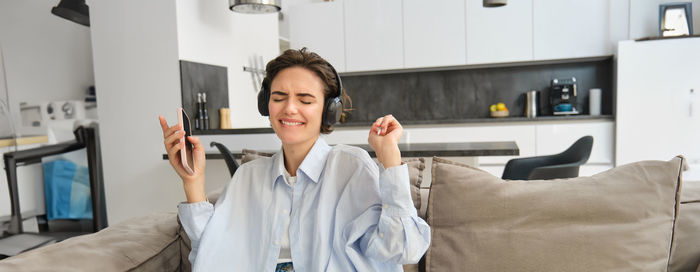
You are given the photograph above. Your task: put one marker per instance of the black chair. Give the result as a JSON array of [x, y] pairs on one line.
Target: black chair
[[231, 162], [562, 165]]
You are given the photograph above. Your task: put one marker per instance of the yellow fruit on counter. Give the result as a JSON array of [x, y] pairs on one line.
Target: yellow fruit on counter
[[492, 108], [501, 107]]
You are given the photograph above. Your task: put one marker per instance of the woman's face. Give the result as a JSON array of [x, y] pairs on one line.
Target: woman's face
[[296, 105]]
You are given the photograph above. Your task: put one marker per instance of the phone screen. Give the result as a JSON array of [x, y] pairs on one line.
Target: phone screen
[[186, 128]]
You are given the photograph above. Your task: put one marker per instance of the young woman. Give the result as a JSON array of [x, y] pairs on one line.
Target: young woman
[[310, 207]]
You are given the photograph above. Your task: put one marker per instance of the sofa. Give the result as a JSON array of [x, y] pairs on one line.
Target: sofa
[[635, 217]]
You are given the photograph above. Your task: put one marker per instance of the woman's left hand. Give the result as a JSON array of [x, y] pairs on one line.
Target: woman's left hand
[[384, 137]]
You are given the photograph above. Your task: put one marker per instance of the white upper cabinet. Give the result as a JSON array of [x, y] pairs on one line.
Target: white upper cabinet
[[373, 35], [319, 27], [571, 29], [502, 34], [434, 33]]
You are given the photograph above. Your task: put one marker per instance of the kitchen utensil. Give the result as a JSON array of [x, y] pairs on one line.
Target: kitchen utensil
[[594, 101], [531, 103]]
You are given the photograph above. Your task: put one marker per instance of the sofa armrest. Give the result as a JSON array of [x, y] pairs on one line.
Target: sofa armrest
[[146, 243]]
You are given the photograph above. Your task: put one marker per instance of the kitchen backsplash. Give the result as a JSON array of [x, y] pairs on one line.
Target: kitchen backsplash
[[455, 95]]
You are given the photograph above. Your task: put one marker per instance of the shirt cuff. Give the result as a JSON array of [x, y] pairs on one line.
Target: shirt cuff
[[195, 216], [395, 191]]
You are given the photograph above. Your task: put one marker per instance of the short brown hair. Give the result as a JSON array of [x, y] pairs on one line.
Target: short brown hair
[[315, 63]]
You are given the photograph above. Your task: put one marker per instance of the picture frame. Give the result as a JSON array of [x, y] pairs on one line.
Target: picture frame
[[675, 19]]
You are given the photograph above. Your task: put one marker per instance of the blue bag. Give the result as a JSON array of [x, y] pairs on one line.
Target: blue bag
[[67, 190]]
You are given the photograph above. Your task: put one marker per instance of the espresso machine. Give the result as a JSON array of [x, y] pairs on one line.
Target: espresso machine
[[562, 96]]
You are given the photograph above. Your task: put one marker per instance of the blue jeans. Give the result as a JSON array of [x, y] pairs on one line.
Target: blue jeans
[[284, 267]]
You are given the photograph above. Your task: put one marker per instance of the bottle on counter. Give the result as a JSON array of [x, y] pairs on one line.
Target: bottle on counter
[[205, 115], [199, 116]]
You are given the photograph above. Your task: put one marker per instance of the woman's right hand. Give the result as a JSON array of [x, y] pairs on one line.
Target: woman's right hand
[[173, 139]]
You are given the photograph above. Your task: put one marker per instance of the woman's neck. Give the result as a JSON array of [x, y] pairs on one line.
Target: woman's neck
[[295, 154]]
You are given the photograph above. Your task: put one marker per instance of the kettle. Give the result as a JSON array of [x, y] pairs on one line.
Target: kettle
[[531, 99]]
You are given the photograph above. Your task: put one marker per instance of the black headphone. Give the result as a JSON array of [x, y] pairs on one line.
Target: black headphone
[[332, 109]]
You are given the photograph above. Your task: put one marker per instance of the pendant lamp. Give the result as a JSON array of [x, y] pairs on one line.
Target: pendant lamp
[[494, 3], [254, 6], [73, 10]]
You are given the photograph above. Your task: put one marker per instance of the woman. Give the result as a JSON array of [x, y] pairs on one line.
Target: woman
[[311, 206]]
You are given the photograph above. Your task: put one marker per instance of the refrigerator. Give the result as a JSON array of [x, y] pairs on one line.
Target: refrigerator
[[658, 102]]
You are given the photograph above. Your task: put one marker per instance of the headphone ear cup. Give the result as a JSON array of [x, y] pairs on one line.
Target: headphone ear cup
[[332, 112], [263, 100]]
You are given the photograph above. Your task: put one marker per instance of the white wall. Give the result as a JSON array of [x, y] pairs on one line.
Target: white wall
[[210, 33], [45, 58], [137, 76], [644, 17], [137, 46]]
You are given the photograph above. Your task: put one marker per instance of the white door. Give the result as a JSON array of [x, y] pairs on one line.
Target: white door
[[658, 116]]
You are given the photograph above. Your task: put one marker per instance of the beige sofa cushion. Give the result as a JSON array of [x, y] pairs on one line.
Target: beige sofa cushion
[[618, 220], [685, 255], [415, 176], [148, 243]]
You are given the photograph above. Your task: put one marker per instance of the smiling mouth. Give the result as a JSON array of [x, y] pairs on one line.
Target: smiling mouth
[[288, 123]]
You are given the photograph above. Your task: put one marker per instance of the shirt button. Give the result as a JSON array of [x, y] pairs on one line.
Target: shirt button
[[385, 206], [285, 211], [277, 242], [381, 235]]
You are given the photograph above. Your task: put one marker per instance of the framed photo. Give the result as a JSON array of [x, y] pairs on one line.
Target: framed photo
[[675, 19]]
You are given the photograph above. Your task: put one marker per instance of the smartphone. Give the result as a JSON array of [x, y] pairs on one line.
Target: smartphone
[[186, 155]]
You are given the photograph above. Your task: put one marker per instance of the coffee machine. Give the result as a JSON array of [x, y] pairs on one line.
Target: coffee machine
[[562, 96]]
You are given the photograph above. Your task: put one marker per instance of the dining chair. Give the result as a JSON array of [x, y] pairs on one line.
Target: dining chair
[[231, 162], [563, 165]]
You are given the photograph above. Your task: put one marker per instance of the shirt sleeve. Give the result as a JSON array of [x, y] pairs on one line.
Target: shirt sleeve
[[194, 218], [391, 231]]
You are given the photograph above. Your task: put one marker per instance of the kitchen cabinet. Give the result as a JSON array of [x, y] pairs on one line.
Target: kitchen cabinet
[[373, 35], [434, 33], [370, 35], [571, 29], [319, 27], [502, 34]]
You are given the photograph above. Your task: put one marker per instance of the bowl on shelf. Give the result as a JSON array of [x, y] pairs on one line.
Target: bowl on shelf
[[499, 114]]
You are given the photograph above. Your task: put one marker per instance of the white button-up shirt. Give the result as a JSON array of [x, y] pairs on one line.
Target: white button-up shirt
[[347, 214]]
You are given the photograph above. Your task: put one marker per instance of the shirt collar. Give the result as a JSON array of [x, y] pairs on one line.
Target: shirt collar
[[313, 163]]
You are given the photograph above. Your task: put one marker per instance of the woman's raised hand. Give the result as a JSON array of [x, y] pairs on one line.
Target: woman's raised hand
[[173, 139], [384, 137]]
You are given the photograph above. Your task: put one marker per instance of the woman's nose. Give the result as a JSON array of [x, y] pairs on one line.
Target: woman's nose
[[289, 107]]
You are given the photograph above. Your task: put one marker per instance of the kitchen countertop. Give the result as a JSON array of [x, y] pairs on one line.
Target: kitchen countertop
[[461, 149], [24, 140], [435, 122]]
